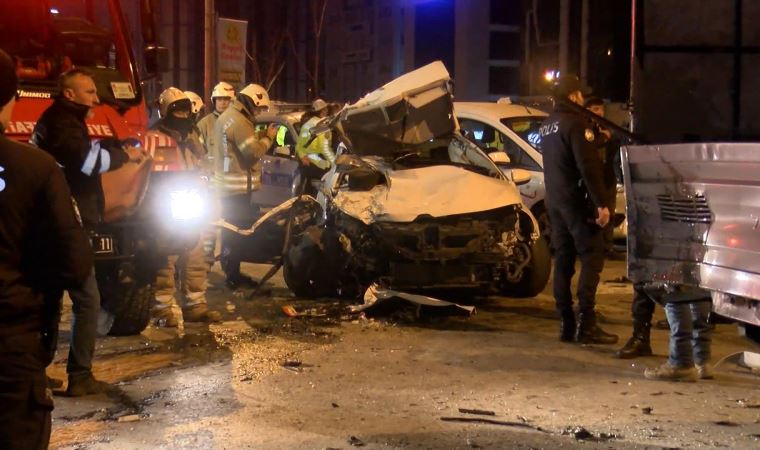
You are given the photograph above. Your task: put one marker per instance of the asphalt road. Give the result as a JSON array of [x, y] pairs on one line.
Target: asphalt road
[[262, 379]]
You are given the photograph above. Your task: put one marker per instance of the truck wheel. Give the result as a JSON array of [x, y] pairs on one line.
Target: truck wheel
[[535, 275], [127, 297], [306, 269]]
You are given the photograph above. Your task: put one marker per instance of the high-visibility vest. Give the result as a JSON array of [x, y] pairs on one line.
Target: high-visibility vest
[[318, 152]]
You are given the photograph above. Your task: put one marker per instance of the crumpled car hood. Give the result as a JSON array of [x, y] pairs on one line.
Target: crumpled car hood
[[435, 191], [412, 109]]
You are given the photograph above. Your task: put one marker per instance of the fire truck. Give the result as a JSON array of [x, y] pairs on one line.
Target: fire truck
[[150, 211]]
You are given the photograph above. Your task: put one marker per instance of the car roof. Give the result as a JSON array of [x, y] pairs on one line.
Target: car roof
[[501, 110]]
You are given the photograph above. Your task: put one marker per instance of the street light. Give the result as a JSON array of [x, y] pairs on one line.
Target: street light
[[551, 75]]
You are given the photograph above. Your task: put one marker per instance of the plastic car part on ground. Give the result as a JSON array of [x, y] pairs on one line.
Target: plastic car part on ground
[[377, 295], [271, 213], [291, 311]]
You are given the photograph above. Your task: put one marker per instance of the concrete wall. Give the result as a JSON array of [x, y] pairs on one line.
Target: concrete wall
[[472, 40]]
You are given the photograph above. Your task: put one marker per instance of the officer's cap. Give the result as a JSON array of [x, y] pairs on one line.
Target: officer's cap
[[8, 78], [567, 84]]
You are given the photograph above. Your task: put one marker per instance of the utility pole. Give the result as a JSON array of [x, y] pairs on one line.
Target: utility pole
[[631, 88], [584, 41], [209, 14], [564, 34]]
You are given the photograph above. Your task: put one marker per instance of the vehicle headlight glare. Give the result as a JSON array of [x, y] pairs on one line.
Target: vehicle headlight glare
[[186, 204]]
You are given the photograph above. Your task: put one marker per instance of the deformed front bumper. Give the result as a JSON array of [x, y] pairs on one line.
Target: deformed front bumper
[[465, 252]]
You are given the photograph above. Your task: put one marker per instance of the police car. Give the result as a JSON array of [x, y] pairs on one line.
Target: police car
[[514, 129]]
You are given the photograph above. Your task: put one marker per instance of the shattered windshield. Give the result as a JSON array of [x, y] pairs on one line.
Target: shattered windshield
[[452, 150], [527, 128]]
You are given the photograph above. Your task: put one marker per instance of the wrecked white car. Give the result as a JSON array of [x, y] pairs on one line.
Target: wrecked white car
[[414, 206], [693, 220]]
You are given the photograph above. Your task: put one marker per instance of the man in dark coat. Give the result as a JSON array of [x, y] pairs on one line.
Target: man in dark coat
[[577, 208], [43, 250], [62, 132]]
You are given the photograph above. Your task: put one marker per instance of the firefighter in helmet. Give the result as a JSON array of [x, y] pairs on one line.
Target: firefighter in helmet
[[175, 135], [197, 105], [237, 171], [221, 97]]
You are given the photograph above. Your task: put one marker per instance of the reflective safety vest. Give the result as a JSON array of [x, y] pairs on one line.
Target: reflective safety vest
[[282, 132], [318, 152], [166, 154]]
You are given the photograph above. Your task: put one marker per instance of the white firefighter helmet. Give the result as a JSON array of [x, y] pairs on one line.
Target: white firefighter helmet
[[196, 101], [170, 99], [222, 89], [257, 94]]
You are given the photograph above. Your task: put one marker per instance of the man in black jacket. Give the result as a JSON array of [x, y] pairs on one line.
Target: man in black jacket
[[62, 132], [577, 207], [43, 250]]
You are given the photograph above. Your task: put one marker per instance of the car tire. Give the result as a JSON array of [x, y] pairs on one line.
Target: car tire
[[305, 269], [542, 217], [127, 297], [535, 276]]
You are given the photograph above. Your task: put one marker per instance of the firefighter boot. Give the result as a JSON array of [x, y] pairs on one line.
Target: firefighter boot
[[588, 332], [638, 344], [567, 326], [200, 313]]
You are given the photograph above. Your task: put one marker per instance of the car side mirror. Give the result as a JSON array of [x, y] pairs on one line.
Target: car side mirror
[[521, 176], [499, 157], [156, 59]]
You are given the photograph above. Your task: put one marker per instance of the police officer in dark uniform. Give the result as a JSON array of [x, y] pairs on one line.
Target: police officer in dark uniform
[[576, 204], [43, 250], [607, 146]]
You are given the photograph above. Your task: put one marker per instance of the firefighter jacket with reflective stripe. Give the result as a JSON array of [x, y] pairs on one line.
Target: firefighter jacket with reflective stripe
[[206, 130], [238, 150], [171, 152], [62, 132], [318, 151], [43, 248]]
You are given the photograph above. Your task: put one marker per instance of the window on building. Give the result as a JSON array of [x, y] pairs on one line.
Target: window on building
[[506, 12], [504, 45]]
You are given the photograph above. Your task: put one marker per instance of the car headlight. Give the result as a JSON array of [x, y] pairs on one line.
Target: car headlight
[[187, 204]]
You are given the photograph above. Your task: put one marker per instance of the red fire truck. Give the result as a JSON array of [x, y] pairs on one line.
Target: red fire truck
[[149, 213]]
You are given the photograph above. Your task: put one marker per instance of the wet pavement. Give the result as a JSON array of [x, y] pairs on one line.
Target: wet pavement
[[327, 379]]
